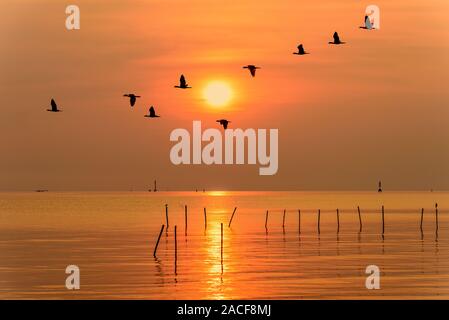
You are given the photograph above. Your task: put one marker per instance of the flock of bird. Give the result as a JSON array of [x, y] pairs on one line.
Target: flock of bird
[[183, 85]]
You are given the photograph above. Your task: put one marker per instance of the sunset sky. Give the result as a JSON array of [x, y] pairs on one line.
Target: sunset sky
[[374, 108]]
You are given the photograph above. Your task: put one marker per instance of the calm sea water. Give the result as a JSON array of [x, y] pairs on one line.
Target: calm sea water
[[111, 238]]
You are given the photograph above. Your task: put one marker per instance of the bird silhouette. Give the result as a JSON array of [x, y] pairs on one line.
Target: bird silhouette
[[182, 83], [132, 98], [252, 69], [336, 39], [300, 50], [151, 113], [367, 24], [224, 123], [54, 106]]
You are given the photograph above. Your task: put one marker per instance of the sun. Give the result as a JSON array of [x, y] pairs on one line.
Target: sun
[[217, 93]]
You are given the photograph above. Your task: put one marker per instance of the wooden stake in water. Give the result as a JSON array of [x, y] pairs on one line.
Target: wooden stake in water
[[338, 221], [319, 217], [221, 247], [422, 218], [266, 220], [360, 219], [185, 214], [232, 217], [299, 220], [283, 220], [436, 217], [205, 219], [383, 220], [176, 253], [166, 215], [157, 242]]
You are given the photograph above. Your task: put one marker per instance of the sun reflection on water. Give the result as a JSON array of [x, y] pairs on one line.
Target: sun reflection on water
[[217, 193]]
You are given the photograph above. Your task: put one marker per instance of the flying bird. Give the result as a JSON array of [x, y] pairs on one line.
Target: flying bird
[[132, 98], [151, 113], [224, 123], [182, 83], [336, 39], [367, 24], [300, 50], [54, 106], [252, 69]]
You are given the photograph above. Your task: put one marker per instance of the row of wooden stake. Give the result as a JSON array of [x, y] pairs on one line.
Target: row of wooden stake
[[360, 219], [186, 220], [283, 225]]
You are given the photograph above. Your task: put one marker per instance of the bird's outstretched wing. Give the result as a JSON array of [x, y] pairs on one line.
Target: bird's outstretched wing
[[182, 81], [253, 71], [54, 106], [336, 38]]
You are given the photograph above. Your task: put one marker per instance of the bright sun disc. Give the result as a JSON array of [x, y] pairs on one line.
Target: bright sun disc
[[217, 93]]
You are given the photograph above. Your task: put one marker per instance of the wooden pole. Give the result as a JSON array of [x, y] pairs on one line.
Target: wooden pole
[[283, 220], [166, 215], [157, 242], [299, 221], [185, 214], [338, 221], [205, 219], [176, 253], [383, 220], [232, 217], [436, 217], [360, 219], [222, 244], [422, 218], [319, 217], [266, 220]]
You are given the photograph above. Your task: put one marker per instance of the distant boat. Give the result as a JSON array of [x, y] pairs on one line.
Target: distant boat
[[380, 187], [41, 190]]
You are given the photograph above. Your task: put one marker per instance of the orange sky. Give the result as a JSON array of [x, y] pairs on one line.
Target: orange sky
[[375, 108]]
